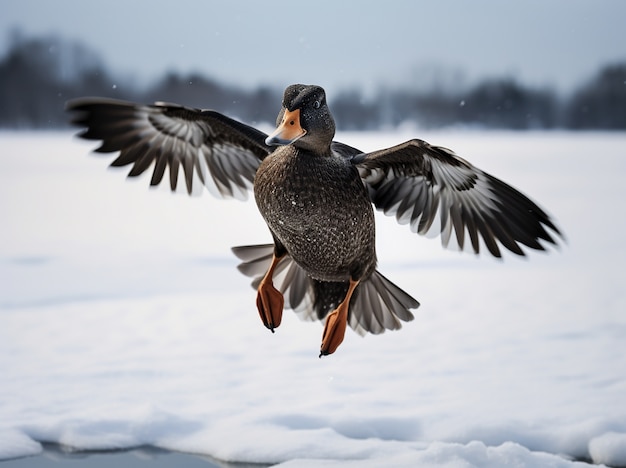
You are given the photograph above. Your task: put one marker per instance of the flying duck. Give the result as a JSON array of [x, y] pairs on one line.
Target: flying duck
[[316, 196]]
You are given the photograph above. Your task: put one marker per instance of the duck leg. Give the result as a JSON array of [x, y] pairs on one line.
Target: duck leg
[[336, 322], [269, 300]]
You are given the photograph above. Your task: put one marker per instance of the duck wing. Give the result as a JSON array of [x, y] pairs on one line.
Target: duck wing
[[218, 152], [437, 192], [343, 150]]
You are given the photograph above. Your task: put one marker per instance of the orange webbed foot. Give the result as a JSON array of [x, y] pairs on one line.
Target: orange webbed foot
[[270, 303], [336, 322], [334, 330]]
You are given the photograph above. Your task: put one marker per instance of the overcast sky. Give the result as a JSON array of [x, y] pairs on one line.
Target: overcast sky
[[338, 43]]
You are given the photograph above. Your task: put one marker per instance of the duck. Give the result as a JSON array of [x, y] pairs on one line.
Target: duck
[[317, 197]]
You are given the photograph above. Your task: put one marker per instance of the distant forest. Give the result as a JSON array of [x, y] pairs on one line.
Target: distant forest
[[37, 76]]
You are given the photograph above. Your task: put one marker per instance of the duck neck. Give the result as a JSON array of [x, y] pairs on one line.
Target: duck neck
[[319, 148]]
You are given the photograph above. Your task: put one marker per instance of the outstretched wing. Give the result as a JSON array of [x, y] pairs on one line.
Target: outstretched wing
[[420, 184], [221, 153]]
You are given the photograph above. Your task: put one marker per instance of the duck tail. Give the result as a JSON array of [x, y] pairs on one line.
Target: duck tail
[[377, 304]]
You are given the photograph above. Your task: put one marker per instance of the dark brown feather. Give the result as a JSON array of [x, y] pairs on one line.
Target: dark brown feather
[[169, 135], [419, 183]]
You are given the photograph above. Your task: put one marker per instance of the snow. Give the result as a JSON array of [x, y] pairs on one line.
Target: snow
[[124, 322]]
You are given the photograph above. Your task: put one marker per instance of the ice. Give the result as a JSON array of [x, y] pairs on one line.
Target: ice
[[609, 448], [124, 322], [14, 444]]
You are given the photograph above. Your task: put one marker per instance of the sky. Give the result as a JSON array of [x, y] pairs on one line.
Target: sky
[[556, 43]]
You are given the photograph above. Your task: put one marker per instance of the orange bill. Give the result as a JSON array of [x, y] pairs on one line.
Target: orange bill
[[288, 131]]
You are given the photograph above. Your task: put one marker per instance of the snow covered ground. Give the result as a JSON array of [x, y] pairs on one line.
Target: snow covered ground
[[124, 322]]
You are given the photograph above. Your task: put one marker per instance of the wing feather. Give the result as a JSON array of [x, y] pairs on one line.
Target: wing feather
[[218, 152], [434, 190]]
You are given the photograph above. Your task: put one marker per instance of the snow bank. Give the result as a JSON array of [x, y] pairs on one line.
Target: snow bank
[[123, 322], [15, 444], [609, 448]]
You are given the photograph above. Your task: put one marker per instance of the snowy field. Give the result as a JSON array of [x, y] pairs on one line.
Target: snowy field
[[124, 322]]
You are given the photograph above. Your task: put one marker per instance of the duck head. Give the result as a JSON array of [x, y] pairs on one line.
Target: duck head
[[304, 120]]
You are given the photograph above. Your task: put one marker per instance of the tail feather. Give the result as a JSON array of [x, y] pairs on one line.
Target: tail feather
[[256, 259], [380, 305], [377, 304], [289, 278]]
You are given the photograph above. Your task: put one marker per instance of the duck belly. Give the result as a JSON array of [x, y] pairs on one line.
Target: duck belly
[[322, 216]]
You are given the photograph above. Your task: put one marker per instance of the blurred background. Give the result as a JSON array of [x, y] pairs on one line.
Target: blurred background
[[485, 63]]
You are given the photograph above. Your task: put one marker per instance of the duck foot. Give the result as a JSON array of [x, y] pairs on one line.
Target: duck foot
[[270, 300], [335, 327], [270, 303]]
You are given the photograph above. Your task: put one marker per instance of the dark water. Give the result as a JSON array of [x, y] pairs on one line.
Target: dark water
[[143, 457]]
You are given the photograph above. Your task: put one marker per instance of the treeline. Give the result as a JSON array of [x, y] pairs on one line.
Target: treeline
[[38, 75]]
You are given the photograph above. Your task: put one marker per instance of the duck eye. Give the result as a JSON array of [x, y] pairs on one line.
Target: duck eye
[[316, 105]]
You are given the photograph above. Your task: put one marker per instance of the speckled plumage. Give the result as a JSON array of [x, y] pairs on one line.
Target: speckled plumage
[[316, 196], [319, 211]]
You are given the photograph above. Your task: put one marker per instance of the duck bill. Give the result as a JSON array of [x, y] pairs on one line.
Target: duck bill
[[288, 131]]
